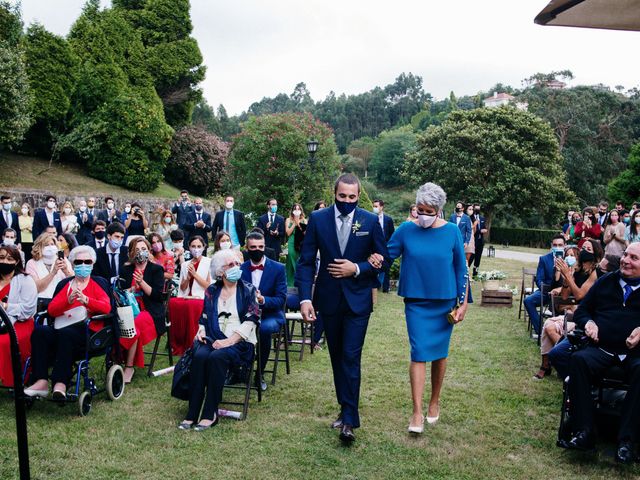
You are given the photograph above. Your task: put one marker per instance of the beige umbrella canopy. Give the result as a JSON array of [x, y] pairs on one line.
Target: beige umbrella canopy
[[609, 14]]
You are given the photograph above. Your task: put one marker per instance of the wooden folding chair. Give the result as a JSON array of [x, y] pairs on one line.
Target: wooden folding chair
[[526, 288], [168, 284]]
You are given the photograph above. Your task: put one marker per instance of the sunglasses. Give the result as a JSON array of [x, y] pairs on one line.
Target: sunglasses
[[83, 262]]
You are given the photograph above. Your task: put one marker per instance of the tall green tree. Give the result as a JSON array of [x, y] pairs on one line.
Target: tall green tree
[[269, 159], [10, 22], [626, 186], [15, 99], [363, 149], [388, 158], [497, 157]]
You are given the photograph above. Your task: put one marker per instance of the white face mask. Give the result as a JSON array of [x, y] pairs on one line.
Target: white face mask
[[67, 211], [376, 210], [51, 205], [425, 221], [126, 209], [196, 252], [110, 206], [229, 205], [225, 245], [297, 213], [9, 241], [177, 245], [637, 220], [83, 209], [25, 211], [49, 251]]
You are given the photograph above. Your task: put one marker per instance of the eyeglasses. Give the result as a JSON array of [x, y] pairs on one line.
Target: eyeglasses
[[83, 262]]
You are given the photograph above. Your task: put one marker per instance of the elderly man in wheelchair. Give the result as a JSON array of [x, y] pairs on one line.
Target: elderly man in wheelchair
[[79, 327], [610, 317]]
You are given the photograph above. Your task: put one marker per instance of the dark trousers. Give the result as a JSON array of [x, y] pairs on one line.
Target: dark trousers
[[208, 371], [57, 347], [559, 357], [478, 255], [589, 364], [318, 328], [268, 326], [345, 333]]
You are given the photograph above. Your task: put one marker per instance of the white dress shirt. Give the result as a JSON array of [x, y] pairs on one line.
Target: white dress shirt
[[256, 275]]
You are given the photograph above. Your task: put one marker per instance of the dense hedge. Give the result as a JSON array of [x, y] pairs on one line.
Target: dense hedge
[[523, 237]]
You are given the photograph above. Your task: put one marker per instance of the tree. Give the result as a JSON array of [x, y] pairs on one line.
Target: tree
[[388, 158], [363, 149], [626, 186], [15, 99], [494, 156], [269, 159], [198, 161], [10, 23]]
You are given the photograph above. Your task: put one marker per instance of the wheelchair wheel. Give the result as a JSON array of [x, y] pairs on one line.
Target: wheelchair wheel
[[115, 382], [84, 403]]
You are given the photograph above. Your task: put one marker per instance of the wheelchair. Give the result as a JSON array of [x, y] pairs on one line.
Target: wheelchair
[[608, 394], [84, 386]]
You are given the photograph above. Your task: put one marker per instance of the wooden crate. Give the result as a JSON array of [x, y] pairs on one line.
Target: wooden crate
[[496, 298]]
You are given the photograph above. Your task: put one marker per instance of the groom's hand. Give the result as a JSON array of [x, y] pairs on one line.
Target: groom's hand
[[342, 268], [307, 311]]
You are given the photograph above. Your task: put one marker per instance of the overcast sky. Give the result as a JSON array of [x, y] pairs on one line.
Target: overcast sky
[[258, 48]]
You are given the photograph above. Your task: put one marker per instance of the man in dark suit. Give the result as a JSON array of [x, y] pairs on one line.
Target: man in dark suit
[[272, 225], [386, 222], [111, 258], [544, 275], [230, 221], [182, 209], [270, 280], [109, 214], [609, 314], [479, 238], [85, 221], [45, 217], [99, 239], [9, 219], [268, 252], [199, 222], [603, 214], [345, 236]]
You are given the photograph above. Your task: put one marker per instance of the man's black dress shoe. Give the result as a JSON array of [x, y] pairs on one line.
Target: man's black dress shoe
[[624, 454], [346, 434], [337, 423], [582, 441], [261, 384]]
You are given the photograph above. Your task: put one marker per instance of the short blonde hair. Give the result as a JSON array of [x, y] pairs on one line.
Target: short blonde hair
[[40, 243], [67, 204]]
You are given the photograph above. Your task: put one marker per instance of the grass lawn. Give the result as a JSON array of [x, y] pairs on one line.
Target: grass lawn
[[496, 422], [34, 173]]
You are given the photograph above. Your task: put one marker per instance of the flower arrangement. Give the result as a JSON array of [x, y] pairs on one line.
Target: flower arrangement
[[492, 275]]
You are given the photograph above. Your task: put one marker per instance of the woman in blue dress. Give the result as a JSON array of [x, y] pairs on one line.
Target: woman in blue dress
[[433, 280]]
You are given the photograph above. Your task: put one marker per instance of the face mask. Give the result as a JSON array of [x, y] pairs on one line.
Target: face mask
[[25, 211], [586, 256], [297, 213], [196, 252], [63, 245], [637, 220], [115, 244], [9, 241], [83, 209], [274, 208], [6, 206], [91, 204], [198, 208], [100, 235], [67, 211], [229, 205], [177, 244], [126, 209], [414, 214], [157, 247], [571, 261], [142, 256], [233, 274], [49, 251], [625, 220], [469, 212], [345, 208], [82, 271], [110, 206], [225, 245], [256, 255], [7, 268], [458, 210], [376, 210], [476, 210], [425, 221], [167, 219], [51, 205], [574, 221], [185, 200]]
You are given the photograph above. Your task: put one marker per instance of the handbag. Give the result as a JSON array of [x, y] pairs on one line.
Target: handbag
[[451, 316], [180, 385]]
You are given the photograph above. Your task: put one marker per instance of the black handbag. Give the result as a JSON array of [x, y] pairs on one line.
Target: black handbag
[[180, 386]]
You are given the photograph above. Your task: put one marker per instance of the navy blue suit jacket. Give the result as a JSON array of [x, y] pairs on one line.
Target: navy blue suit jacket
[[544, 274], [14, 224], [181, 213], [84, 235], [189, 225], [389, 227], [321, 236], [238, 219], [273, 241], [273, 287], [40, 222], [464, 226], [482, 224]]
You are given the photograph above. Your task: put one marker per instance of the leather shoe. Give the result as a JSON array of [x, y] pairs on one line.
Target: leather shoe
[[582, 441], [346, 434], [337, 423], [624, 453]]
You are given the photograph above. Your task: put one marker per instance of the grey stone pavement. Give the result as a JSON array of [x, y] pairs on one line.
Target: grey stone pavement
[[513, 255]]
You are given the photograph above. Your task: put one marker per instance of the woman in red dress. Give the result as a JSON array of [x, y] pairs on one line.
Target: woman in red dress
[[588, 228], [161, 256], [18, 296], [146, 281], [185, 309]]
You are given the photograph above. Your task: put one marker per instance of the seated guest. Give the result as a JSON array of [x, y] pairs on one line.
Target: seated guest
[[66, 243], [270, 280], [609, 263], [165, 227], [10, 239], [588, 227], [25, 223], [177, 241], [610, 317], [228, 322], [222, 241], [544, 276], [18, 295], [270, 253], [9, 219], [75, 299], [161, 256], [185, 309], [46, 268], [111, 258], [99, 231], [68, 219], [48, 216], [146, 281]]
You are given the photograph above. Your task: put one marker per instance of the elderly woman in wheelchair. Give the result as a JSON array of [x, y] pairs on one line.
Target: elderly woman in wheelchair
[[64, 339]]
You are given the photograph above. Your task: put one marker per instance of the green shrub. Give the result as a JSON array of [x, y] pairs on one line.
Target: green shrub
[[523, 237]]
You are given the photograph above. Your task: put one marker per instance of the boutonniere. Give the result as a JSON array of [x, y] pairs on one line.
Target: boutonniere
[[356, 226]]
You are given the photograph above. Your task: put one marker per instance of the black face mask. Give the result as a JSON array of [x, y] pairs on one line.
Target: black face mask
[[6, 268], [256, 255], [476, 210], [586, 256], [100, 235], [574, 221], [458, 210], [599, 271]]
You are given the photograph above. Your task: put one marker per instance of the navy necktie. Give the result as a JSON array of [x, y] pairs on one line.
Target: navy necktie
[[628, 290]]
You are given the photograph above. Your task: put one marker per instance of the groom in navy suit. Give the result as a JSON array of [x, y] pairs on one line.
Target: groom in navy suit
[[345, 236], [270, 280]]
